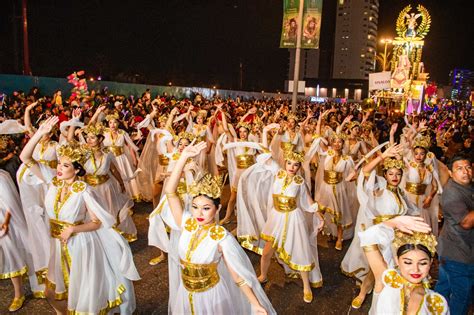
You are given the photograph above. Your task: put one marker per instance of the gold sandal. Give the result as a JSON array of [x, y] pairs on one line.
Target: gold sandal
[[308, 296], [17, 303], [357, 302]]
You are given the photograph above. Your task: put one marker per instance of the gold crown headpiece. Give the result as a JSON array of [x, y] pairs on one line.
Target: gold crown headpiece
[[95, 129], [335, 136], [245, 125], [291, 155], [113, 116], [202, 113], [353, 124], [367, 125], [208, 185], [291, 116], [258, 123], [393, 163], [163, 118], [417, 238], [422, 142], [74, 152], [3, 143], [185, 135]]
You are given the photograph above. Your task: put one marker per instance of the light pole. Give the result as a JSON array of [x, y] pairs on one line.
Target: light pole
[[386, 42], [296, 73]]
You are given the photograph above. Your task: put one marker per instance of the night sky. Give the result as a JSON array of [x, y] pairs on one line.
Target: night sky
[[197, 42]]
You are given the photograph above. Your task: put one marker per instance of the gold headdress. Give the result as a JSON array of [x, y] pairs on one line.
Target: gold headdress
[[74, 152], [202, 113], [163, 118], [417, 238], [393, 163], [335, 136], [367, 126], [353, 124], [3, 143], [245, 125], [186, 135], [291, 116], [422, 142], [291, 155], [258, 123], [95, 129], [208, 185], [113, 116]]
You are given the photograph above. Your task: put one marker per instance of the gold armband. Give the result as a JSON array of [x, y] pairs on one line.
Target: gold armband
[[96, 221], [241, 283], [30, 163], [370, 248], [169, 195]]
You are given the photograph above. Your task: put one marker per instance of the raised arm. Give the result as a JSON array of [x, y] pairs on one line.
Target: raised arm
[[27, 118], [171, 185], [96, 115], [392, 151], [393, 130]]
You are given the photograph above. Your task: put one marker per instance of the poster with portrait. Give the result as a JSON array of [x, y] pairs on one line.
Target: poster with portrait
[[311, 24], [290, 23]]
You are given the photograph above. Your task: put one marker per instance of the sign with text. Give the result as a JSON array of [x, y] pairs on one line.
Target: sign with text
[[379, 80]]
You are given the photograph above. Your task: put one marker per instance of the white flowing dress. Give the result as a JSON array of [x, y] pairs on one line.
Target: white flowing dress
[[216, 247], [120, 147], [118, 204], [94, 271]]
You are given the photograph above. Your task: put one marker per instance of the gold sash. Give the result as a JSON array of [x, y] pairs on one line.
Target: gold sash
[[95, 180], [332, 177], [416, 189], [57, 227], [245, 160], [51, 163], [163, 160], [284, 203], [382, 218], [199, 277], [116, 150]]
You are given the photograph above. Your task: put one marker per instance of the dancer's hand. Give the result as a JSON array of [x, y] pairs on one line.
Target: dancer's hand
[[427, 202], [409, 224], [260, 310], [76, 114], [193, 150], [321, 222], [392, 151], [5, 227], [393, 129], [66, 234], [48, 125]]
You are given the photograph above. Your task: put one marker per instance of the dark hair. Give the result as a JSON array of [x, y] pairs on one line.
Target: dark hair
[[459, 157], [408, 247], [80, 168], [216, 201]]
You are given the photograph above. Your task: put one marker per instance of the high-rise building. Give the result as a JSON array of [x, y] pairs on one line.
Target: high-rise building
[[355, 38], [462, 81]]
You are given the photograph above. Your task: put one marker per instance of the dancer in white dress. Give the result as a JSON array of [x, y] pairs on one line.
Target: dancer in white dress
[[404, 290], [380, 199], [216, 274], [91, 265], [15, 256]]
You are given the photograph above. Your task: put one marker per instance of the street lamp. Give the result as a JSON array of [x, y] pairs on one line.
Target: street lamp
[[386, 42]]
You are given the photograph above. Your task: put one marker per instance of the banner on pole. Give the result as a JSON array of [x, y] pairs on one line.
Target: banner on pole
[[379, 80], [311, 24]]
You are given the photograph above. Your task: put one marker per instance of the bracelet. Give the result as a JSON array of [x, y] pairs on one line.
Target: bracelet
[[241, 283], [370, 248], [30, 163], [96, 221], [173, 194]]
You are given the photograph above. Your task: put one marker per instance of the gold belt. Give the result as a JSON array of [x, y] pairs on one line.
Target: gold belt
[[163, 160], [416, 189], [199, 277], [287, 146], [50, 163], [116, 150], [200, 139], [245, 160], [95, 180], [382, 218], [284, 203], [332, 177], [57, 227]]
